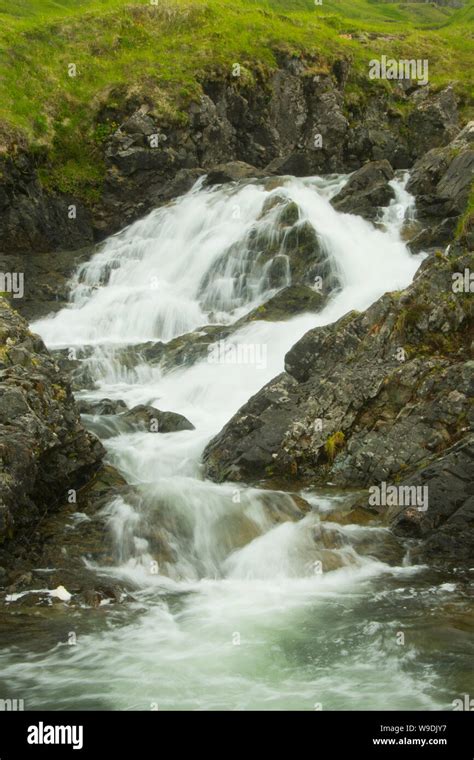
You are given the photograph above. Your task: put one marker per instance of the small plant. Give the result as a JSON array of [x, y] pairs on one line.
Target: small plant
[[333, 444], [104, 130]]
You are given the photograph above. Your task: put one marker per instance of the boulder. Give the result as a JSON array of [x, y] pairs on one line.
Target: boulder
[[141, 418], [366, 191], [233, 171], [103, 406]]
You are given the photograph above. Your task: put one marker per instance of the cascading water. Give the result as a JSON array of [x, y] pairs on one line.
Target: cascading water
[[235, 613]]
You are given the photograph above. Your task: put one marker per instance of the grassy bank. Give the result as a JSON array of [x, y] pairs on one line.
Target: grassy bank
[[164, 51]]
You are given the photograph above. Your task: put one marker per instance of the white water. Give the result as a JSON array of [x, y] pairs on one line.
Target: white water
[[238, 617]]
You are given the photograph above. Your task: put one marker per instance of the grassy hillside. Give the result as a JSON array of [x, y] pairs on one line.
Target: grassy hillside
[[165, 50]]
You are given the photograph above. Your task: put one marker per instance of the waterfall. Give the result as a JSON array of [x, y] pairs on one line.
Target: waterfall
[[236, 613], [187, 265]]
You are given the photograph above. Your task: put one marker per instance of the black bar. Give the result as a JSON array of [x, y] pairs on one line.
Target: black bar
[[135, 734]]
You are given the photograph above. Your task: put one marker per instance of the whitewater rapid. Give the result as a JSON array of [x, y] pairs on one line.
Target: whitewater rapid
[[241, 617]]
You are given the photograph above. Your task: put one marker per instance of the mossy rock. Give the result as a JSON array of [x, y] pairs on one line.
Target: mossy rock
[[295, 299]]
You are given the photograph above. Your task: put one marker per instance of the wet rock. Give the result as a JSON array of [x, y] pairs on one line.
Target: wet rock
[[366, 191], [140, 418], [295, 299], [104, 406], [144, 417], [233, 171], [437, 236], [46, 279]]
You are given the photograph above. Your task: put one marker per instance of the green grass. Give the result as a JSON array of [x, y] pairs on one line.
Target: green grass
[[125, 48]]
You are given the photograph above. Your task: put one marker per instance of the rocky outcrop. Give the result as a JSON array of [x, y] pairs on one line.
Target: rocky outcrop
[[46, 452], [434, 121], [286, 121], [289, 121], [282, 248], [365, 399], [441, 181]]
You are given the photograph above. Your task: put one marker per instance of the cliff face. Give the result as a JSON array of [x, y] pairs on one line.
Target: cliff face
[[46, 453]]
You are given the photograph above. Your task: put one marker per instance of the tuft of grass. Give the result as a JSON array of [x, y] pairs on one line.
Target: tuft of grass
[[465, 225], [333, 444]]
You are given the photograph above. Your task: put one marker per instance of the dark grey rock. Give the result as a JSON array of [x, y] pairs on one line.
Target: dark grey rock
[[366, 191]]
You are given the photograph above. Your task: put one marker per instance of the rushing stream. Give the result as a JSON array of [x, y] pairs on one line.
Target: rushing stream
[[237, 614]]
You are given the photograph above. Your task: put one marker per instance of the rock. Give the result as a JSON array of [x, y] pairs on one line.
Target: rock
[[434, 121], [447, 526], [442, 181], [32, 219], [233, 171], [143, 417], [139, 123], [63, 539], [437, 236], [104, 406], [61, 593], [286, 250], [45, 450], [358, 515], [295, 299], [366, 399], [140, 418], [366, 191], [47, 277]]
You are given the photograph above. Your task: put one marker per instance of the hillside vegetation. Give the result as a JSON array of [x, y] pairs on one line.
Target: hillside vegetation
[[166, 50]]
